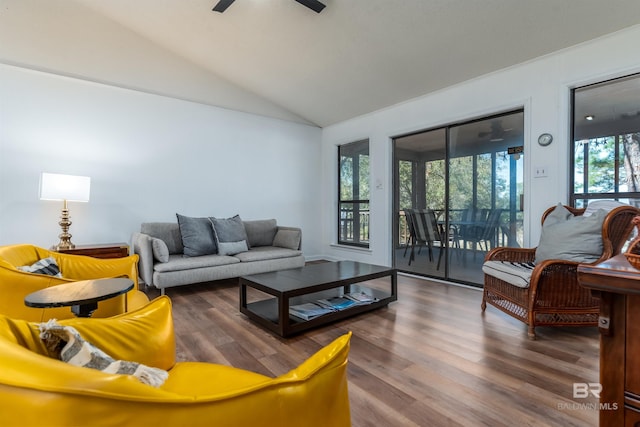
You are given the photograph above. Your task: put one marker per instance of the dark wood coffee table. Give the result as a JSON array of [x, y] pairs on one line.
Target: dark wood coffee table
[[82, 296], [287, 287]]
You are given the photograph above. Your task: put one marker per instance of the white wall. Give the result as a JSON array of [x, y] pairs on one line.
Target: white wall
[[148, 157], [541, 86]]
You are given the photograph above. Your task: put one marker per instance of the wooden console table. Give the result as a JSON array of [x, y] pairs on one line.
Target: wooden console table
[[618, 285], [105, 250]]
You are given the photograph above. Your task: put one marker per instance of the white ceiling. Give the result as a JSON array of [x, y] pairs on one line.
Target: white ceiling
[[355, 57]]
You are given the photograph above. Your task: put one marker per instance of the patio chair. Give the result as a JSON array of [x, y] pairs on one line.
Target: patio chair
[[423, 226], [488, 232], [470, 225], [411, 236], [545, 292]]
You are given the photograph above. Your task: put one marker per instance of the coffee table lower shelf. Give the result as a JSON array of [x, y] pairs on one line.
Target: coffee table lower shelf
[[265, 312], [272, 313]]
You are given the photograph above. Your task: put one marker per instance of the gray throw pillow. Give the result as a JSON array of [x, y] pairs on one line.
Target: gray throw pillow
[[231, 237], [261, 232], [160, 250], [197, 236], [571, 238], [289, 239]]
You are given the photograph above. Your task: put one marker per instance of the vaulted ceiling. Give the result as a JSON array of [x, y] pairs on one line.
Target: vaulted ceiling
[[278, 58]]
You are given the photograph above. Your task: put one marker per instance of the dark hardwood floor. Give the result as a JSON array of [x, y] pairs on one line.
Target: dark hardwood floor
[[429, 359]]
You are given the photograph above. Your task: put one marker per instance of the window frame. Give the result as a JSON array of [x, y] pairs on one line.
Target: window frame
[[357, 239], [582, 199]]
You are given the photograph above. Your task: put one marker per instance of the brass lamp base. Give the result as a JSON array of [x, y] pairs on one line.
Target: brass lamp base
[[65, 223]]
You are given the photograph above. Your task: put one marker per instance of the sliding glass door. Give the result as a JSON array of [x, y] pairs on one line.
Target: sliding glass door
[[469, 177], [420, 186]]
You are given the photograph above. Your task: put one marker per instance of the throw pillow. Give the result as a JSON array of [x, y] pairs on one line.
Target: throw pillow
[[230, 235], [197, 236], [46, 266], [289, 239], [261, 232], [66, 344], [160, 250], [607, 205], [571, 238]]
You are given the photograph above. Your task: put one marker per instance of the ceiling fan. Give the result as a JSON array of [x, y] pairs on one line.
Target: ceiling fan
[[497, 132], [314, 5]]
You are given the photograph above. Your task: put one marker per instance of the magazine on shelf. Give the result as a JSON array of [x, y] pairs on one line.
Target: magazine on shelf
[[337, 303], [308, 310], [361, 298]]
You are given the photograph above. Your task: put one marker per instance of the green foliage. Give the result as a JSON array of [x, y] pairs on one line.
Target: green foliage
[[435, 183], [595, 160], [461, 182], [406, 184], [350, 190]]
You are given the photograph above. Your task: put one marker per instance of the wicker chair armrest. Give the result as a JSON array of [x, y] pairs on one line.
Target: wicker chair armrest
[[511, 254], [555, 282]]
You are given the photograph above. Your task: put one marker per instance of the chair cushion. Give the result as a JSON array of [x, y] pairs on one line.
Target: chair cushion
[[572, 238], [516, 273]]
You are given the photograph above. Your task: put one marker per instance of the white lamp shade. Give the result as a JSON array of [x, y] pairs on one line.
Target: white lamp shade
[[72, 188]]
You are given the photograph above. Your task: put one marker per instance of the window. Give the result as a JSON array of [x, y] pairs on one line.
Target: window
[[606, 142], [353, 194]]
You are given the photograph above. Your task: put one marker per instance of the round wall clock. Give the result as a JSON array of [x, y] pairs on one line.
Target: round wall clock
[[545, 139]]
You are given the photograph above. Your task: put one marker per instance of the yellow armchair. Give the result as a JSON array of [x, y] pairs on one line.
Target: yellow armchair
[[37, 390], [16, 284]]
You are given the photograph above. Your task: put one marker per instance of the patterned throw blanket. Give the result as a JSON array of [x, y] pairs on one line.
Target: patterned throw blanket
[[66, 344]]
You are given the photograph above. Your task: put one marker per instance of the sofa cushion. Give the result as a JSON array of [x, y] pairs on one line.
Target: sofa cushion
[[230, 235], [168, 232], [571, 238], [46, 266], [197, 236], [261, 232], [178, 262], [262, 253], [160, 250], [289, 239]]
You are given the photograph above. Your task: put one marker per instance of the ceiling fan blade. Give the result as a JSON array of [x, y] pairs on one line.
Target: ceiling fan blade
[[222, 5], [314, 5]]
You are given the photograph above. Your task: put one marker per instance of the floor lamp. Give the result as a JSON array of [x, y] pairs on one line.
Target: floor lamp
[[68, 188]]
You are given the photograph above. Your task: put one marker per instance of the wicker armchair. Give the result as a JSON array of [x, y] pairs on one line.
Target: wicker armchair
[[553, 297]]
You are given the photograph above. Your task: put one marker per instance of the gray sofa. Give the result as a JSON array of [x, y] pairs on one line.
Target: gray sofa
[[163, 263]]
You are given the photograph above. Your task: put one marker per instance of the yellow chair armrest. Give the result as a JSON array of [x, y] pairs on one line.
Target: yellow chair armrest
[[145, 335]]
